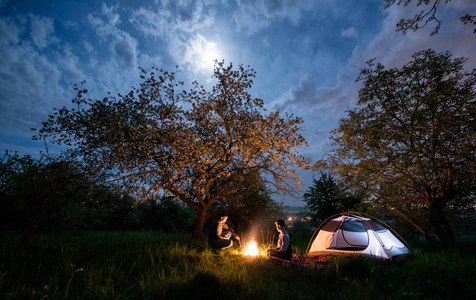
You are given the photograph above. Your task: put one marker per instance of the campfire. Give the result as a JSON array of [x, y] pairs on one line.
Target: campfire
[[251, 249]]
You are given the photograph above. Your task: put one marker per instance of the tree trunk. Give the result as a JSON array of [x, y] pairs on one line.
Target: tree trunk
[[441, 226], [199, 223], [414, 221]]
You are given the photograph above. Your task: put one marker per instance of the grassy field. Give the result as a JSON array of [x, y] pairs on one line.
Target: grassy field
[[150, 265]]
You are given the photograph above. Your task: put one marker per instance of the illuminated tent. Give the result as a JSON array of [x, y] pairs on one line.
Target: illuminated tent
[[353, 234]]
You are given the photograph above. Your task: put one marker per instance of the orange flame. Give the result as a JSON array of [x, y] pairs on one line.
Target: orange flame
[[251, 249]]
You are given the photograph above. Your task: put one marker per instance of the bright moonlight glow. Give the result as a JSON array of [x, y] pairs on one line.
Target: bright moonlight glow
[[209, 54], [201, 54]]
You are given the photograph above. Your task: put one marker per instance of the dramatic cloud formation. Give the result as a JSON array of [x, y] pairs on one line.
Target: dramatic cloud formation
[[307, 54]]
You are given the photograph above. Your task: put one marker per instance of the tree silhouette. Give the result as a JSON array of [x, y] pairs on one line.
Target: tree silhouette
[[327, 197], [191, 144], [412, 139]]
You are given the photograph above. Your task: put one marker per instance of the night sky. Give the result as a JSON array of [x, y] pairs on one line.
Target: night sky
[[307, 54]]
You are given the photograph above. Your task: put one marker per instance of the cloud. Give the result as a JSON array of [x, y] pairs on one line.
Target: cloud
[[29, 80], [150, 23], [266, 41], [350, 32], [126, 52], [390, 48], [253, 15], [42, 30], [106, 24], [178, 26], [28, 88], [172, 18], [10, 30], [291, 9], [34, 79], [308, 98], [86, 45], [151, 60], [393, 49], [122, 45], [110, 12], [69, 64], [183, 9]]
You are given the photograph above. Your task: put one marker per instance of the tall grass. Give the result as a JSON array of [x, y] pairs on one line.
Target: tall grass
[[148, 265]]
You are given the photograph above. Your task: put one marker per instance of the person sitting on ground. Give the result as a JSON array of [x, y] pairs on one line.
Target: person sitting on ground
[[283, 248], [220, 234]]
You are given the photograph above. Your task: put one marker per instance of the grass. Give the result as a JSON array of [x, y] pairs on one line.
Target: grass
[[150, 265]]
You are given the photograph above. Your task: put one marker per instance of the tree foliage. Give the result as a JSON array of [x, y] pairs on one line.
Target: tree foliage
[[327, 197], [34, 194], [51, 194], [412, 140], [425, 16], [250, 204], [191, 144]]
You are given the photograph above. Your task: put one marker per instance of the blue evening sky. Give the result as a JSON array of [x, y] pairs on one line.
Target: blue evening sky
[[307, 54]]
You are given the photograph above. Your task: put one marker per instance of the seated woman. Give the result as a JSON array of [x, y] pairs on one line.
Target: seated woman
[[283, 248]]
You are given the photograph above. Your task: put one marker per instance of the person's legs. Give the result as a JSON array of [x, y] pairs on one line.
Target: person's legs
[[282, 255], [221, 244]]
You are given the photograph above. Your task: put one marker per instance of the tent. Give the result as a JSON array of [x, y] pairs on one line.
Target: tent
[[353, 234]]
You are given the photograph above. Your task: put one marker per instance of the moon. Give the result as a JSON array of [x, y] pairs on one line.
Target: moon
[[210, 53]]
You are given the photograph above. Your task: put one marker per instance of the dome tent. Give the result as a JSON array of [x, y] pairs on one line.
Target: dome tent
[[353, 234]]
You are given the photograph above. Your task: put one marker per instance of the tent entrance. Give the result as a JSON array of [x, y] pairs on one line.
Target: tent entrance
[[351, 235]]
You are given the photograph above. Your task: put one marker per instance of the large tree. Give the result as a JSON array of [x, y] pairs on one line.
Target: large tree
[[192, 144], [412, 140], [250, 203], [425, 16]]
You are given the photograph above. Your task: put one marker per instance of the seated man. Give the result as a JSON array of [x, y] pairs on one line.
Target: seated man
[[220, 234]]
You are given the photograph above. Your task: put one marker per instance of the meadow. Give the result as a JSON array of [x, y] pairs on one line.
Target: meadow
[[154, 265]]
